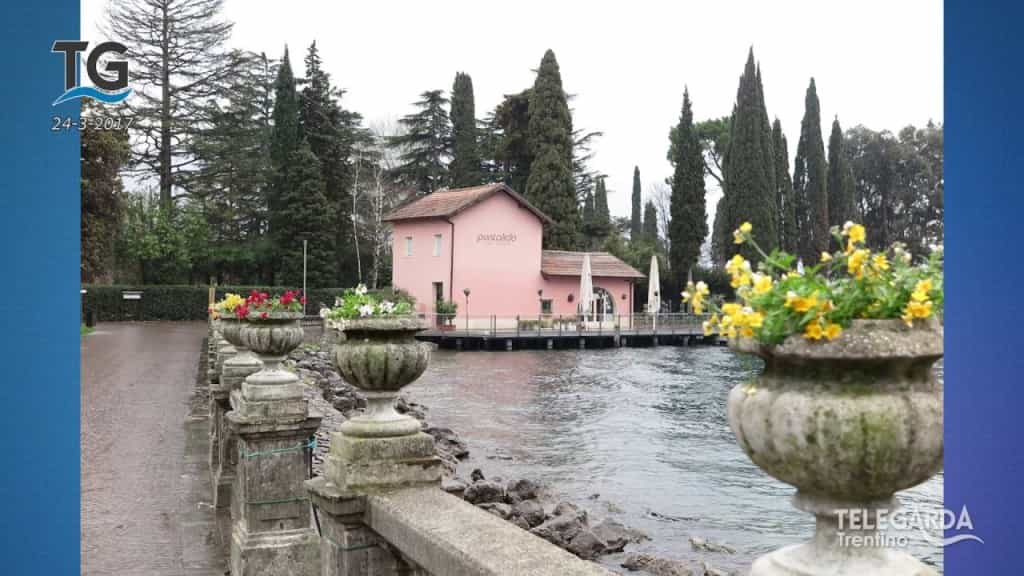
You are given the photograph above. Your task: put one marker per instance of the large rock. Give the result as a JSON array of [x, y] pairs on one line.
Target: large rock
[[522, 489], [484, 491], [448, 442], [586, 545], [499, 509], [530, 511], [476, 475], [615, 535], [570, 510], [656, 566], [704, 545], [453, 486], [559, 530]]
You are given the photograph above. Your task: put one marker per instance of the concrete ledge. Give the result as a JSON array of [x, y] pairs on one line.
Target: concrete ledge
[[448, 536]]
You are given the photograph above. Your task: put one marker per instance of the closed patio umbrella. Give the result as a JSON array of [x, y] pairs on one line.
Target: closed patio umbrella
[[654, 288], [586, 288]]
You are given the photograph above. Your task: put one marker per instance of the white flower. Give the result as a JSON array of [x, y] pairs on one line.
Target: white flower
[[800, 267], [324, 312], [361, 290], [387, 307], [702, 287], [846, 227], [338, 301], [365, 310]]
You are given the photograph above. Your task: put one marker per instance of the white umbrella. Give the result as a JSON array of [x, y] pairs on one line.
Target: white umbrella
[[586, 287], [654, 288]]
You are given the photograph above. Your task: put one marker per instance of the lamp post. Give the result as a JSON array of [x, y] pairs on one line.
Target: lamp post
[[466, 292]]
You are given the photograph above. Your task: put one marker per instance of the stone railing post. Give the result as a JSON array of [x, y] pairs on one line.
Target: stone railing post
[[222, 351], [234, 370], [378, 450], [272, 530]]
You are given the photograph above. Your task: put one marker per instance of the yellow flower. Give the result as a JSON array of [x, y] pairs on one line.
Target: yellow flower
[[921, 290], [813, 331], [737, 265], [695, 296], [755, 319], [856, 232], [762, 283], [855, 265], [799, 303], [709, 325], [915, 309], [740, 280], [833, 330], [746, 227], [826, 257]]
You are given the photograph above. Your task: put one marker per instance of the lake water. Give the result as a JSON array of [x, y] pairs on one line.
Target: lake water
[[645, 429]]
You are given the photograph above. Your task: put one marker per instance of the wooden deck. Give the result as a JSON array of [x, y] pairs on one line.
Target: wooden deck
[[548, 339]]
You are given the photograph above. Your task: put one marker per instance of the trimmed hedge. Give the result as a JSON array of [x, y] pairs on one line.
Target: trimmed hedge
[[187, 302]]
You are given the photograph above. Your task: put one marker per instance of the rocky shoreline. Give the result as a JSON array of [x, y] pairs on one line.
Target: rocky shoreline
[[519, 501]]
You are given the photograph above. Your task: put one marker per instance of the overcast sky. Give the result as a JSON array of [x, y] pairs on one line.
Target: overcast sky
[[875, 63]]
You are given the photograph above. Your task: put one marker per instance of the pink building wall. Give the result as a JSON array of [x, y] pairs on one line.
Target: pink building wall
[[497, 255]]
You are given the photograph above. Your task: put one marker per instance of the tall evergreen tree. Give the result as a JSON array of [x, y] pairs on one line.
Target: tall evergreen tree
[[750, 166], [550, 185], [284, 142], [426, 145], [329, 130], [789, 233], [601, 214], [465, 165], [841, 193], [306, 216], [636, 215], [508, 139], [103, 154], [649, 232], [810, 174], [688, 225]]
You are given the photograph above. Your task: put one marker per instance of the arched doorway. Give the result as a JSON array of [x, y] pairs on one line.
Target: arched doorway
[[603, 305]]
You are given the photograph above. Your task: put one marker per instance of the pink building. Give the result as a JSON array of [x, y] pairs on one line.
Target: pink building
[[487, 239]]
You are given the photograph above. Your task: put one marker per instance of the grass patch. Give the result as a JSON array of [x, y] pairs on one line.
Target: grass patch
[[87, 330]]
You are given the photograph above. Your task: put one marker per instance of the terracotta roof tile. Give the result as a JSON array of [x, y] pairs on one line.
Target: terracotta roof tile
[[446, 203], [603, 264]]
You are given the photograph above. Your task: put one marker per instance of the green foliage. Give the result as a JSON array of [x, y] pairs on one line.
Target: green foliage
[[305, 215], [785, 200], [649, 232], [284, 141], [898, 182], [636, 213], [446, 307], [750, 164], [550, 186], [465, 165], [86, 330], [506, 142], [810, 181], [841, 201], [687, 227], [425, 147], [163, 244], [104, 152]]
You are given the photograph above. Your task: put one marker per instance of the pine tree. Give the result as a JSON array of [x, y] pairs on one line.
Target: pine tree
[[550, 185], [426, 146], [687, 226], [508, 139], [789, 233], [284, 141], [841, 201], [465, 165], [810, 175], [649, 232], [636, 216], [750, 166], [306, 216]]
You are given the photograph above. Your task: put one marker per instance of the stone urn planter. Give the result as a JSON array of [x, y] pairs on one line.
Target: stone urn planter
[[244, 362], [848, 423], [380, 356], [272, 391]]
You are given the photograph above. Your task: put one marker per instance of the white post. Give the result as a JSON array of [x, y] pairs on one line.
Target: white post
[[304, 243]]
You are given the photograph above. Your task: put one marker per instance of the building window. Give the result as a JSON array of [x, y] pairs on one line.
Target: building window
[[545, 306], [437, 244], [408, 245]]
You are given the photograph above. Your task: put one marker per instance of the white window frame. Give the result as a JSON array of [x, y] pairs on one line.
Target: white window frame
[[408, 245], [438, 240]]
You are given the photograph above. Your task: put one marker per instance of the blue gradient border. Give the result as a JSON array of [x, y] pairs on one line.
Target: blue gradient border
[[39, 303], [984, 366]]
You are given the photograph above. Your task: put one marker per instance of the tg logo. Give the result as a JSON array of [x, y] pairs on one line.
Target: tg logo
[[111, 84]]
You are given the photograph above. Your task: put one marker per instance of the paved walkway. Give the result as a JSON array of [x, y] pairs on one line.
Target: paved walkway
[[145, 478]]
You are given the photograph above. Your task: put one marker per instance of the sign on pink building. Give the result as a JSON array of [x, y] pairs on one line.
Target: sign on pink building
[[487, 240]]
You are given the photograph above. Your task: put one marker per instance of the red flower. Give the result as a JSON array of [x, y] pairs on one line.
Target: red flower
[[302, 300], [287, 298], [263, 315], [241, 311]]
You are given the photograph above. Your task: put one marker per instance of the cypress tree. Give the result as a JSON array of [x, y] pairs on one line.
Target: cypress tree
[[602, 216], [550, 185], [841, 201], [465, 165], [284, 141], [788, 230], [306, 216], [589, 223], [636, 221], [810, 175], [750, 166], [650, 227], [688, 225]]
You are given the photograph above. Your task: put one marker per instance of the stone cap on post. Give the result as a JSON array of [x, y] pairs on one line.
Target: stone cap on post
[[446, 535]]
